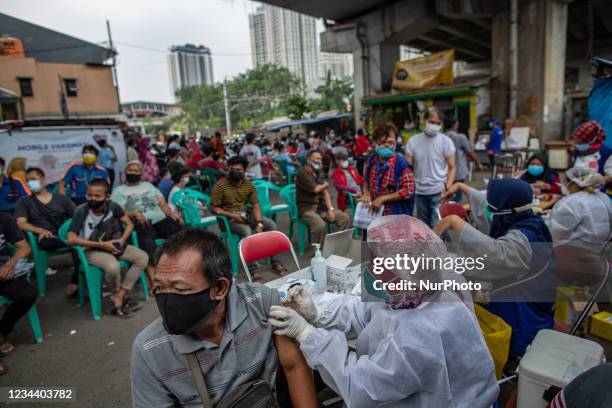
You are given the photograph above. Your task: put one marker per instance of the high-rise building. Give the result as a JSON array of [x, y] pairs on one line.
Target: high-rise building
[[286, 38], [338, 65], [189, 65]]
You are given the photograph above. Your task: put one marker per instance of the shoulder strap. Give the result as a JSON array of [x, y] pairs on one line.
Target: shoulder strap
[[196, 372]]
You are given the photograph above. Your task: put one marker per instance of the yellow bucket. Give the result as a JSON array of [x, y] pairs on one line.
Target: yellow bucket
[[496, 333]]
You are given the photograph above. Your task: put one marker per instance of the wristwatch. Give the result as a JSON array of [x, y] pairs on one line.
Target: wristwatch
[[260, 224], [331, 208]]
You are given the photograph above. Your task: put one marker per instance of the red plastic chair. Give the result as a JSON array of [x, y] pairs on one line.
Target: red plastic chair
[[262, 246], [452, 208]]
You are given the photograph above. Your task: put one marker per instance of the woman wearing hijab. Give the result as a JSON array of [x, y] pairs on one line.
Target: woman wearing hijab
[[150, 171], [540, 176], [419, 348], [583, 217], [519, 259]]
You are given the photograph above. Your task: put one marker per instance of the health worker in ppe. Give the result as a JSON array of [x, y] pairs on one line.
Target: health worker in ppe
[[420, 348], [583, 217], [519, 263]]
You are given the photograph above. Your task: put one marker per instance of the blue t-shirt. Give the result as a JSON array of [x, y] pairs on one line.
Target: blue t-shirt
[[78, 175], [106, 157], [11, 191], [495, 140]]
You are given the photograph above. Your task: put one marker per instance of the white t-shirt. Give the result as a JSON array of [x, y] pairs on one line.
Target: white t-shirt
[[252, 153], [430, 161]]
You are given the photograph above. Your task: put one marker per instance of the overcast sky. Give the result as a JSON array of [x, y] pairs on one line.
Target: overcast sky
[[222, 25]]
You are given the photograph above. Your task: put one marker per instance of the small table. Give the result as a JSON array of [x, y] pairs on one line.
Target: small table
[[303, 273]]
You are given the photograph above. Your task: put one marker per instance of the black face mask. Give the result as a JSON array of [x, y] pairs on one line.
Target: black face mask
[[95, 204], [235, 176], [183, 314], [132, 178]]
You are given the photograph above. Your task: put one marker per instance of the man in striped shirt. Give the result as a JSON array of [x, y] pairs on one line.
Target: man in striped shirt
[[223, 323], [231, 197]]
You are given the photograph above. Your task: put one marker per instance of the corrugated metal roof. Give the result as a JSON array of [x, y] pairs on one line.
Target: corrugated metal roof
[[46, 45]]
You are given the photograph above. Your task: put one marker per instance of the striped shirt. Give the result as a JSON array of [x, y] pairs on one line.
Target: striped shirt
[[160, 372], [233, 198]]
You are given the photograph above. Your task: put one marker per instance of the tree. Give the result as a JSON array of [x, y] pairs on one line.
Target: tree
[[335, 94], [253, 97], [295, 106]]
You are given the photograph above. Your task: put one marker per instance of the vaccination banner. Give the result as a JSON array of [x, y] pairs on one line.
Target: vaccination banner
[[435, 69], [53, 148]]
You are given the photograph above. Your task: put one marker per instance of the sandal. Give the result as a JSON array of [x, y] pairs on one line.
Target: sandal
[[280, 269], [6, 347], [71, 292], [3, 369], [120, 312], [131, 305]]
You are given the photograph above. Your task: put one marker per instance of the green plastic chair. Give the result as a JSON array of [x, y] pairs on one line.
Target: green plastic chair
[[32, 313], [263, 193], [284, 167], [350, 203], [187, 200], [288, 195], [93, 277], [41, 261], [211, 175]]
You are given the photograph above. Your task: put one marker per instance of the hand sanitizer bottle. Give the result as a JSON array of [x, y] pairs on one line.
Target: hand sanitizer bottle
[[318, 269]]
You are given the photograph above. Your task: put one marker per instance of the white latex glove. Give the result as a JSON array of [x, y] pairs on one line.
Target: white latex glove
[[288, 322], [299, 299]]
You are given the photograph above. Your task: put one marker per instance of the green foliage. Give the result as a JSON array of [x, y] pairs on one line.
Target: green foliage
[[254, 97], [258, 95], [295, 106], [334, 94]]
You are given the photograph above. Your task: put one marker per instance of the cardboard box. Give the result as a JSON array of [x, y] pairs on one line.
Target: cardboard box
[[570, 302], [338, 278]]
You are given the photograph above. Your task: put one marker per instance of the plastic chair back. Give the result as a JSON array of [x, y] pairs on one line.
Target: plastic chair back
[[187, 200], [288, 195], [452, 208], [263, 194], [264, 245]]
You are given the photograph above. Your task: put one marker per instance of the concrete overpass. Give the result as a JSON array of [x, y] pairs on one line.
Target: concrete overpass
[[528, 69]]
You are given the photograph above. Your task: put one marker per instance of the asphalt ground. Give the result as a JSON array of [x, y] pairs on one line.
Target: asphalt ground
[[94, 356]]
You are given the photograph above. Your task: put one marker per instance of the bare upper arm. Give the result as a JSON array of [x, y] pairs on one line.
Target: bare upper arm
[[289, 354]]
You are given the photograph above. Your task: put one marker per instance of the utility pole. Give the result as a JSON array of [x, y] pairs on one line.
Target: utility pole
[[115, 78], [228, 122]]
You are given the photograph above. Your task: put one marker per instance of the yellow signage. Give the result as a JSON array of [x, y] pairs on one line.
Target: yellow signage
[[435, 69]]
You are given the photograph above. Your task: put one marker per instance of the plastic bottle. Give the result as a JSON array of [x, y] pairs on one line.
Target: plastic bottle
[[318, 269]]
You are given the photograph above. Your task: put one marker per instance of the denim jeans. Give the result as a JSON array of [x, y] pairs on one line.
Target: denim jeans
[[427, 208]]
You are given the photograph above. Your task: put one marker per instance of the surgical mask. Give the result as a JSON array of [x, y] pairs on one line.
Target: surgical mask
[[132, 178], [183, 314], [583, 147], [535, 170], [34, 186], [186, 181], [384, 152], [235, 176], [344, 164], [95, 204], [489, 214], [89, 158], [315, 164], [431, 129]]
